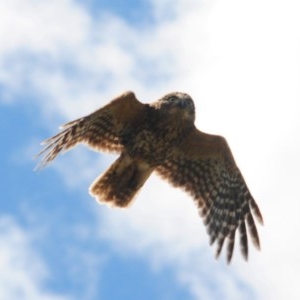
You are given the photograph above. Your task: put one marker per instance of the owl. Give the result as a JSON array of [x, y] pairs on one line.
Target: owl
[[161, 137]]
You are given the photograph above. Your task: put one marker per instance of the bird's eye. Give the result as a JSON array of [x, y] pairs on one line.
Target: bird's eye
[[172, 98]]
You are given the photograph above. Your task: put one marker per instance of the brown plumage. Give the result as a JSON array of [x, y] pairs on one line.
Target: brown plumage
[[162, 137]]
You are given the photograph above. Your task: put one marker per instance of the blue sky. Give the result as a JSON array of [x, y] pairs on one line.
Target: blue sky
[[62, 59]]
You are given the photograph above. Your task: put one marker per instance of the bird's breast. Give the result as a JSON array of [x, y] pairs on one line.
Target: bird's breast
[[152, 144]]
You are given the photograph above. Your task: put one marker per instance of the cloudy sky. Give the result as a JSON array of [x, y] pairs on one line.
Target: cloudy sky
[[61, 59]]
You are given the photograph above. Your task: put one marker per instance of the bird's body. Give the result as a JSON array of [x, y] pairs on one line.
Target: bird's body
[[162, 137]]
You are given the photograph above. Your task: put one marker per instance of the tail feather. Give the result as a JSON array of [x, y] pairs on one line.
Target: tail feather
[[121, 182]]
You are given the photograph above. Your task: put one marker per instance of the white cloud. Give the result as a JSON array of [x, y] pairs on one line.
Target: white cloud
[[23, 272], [26, 272], [169, 9], [41, 26], [240, 62]]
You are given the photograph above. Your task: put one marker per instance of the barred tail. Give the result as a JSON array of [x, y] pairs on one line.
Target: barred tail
[[121, 182]]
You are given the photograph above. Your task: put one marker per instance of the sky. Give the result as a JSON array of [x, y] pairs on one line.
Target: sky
[[62, 59]]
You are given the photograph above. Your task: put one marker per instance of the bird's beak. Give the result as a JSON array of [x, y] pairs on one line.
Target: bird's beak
[[182, 104]]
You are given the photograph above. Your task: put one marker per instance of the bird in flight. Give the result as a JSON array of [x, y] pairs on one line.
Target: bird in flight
[[161, 137]]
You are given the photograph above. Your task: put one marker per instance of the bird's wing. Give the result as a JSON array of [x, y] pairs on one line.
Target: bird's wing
[[203, 165], [102, 130]]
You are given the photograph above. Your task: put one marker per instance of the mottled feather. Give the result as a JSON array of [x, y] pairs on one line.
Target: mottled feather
[[102, 130], [161, 136], [204, 166]]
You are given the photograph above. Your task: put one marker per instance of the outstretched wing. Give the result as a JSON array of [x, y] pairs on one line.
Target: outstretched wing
[[204, 166], [102, 130]]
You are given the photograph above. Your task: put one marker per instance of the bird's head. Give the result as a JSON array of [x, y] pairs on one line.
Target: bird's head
[[180, 105]]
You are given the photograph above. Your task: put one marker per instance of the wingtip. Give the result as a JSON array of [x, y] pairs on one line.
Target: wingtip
[[36, 168], [260, 221], [244, 251], [40, 165], [228, 258], [256, 243], [259, 217], [256, 211]]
